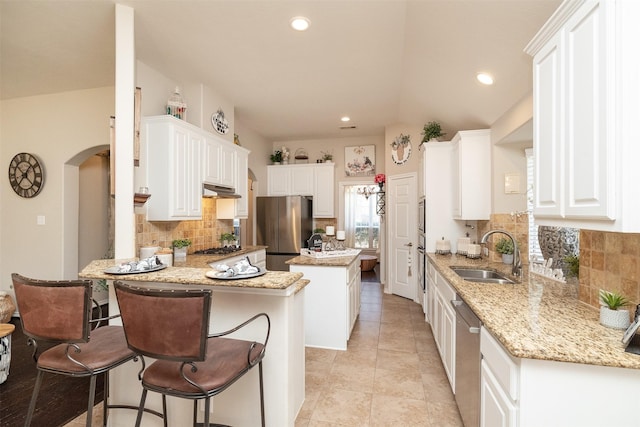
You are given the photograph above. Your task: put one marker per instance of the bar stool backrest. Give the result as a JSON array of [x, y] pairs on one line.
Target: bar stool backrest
[[54, 311], [165, 324]]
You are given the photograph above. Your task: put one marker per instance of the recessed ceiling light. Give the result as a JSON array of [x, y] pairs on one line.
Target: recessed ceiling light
[[345, 119], [484, 78], [300, 23]]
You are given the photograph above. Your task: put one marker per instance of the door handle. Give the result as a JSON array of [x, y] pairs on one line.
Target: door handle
[[408, 244]]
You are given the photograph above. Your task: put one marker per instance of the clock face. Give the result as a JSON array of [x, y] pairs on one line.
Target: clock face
[[26, 175]]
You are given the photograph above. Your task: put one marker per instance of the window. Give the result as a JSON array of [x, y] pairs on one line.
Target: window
[[362, 224]]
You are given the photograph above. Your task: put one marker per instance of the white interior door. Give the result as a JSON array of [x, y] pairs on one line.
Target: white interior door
[[402, 234]]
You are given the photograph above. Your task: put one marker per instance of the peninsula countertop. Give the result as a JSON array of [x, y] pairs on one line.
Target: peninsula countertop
[[538, 318], [329, 261], [193, 271]]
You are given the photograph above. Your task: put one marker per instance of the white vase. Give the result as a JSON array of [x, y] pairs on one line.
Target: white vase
[[507, 258], [617, 319]]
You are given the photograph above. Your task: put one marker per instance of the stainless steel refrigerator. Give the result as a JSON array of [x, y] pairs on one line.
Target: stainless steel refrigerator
[[284, 224]]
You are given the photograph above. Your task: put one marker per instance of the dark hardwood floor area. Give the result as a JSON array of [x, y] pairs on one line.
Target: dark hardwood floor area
[[61, 398]]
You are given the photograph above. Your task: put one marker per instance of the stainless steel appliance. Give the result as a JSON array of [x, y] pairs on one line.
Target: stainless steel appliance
[[283, 224], [422, 277], [422, 215], [467, 369]]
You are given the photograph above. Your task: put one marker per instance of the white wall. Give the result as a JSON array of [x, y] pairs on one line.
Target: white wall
[[93, 216], [508, 142], [55, 128]]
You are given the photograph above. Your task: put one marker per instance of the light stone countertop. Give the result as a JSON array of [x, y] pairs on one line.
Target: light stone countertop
[[538, 318], [343, 261], [192, 272]]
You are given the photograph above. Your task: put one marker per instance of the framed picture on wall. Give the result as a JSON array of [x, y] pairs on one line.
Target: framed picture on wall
[[360, 160]]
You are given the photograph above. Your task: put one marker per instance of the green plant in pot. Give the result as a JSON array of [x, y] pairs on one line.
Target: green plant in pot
[[611, 315], [276, 157], [228, 239], [431, 131], [504, 246], [180, 248], [573, 265]]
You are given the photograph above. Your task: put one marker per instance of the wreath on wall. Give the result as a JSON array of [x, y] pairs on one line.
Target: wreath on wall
[[401, 149]]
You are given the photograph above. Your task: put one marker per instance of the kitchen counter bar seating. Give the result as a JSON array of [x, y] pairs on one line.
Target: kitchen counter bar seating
[[60, 312], [172, 326]]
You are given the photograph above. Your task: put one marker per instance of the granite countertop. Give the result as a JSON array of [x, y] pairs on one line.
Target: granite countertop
[[538, 318], [342, 261], [192, 272]]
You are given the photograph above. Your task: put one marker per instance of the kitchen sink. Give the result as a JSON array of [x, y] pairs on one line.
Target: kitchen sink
[[482, 275]]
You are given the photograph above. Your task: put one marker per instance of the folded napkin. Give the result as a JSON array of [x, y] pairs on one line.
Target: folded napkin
[[242, 267], [142, 265]]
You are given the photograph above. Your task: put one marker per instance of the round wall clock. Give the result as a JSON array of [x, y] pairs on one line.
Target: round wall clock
[[219, 123], [26, 175]]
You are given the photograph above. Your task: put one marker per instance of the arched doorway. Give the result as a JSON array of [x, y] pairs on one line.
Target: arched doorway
[[87, 206]]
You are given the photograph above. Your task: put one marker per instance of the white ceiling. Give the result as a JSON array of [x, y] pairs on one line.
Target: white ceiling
[[380, 62]]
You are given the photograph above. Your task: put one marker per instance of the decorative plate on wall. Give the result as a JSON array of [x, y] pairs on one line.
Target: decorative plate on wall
[[401, 149], [219, 123]]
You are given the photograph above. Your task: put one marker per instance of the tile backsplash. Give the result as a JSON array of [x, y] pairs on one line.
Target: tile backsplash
[[203, 233], [517, 225], [609, 261]]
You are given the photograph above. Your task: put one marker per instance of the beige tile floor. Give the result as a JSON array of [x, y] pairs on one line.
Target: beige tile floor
[[390, 375]]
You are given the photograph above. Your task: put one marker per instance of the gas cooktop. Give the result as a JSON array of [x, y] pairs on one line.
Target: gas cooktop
[[219, 251]]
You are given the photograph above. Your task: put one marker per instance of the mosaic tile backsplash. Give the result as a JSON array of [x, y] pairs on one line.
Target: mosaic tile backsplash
[[203, 234]]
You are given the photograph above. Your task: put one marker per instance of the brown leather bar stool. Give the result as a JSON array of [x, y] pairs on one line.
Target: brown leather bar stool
[[173, 327], [60, 312]]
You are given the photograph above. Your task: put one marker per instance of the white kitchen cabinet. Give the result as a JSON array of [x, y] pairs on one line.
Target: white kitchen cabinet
[[444, 326], [430, 291], [517, 392], [323, 190], [315, 180], [219, 162], [174, 175], [332, 302], [496, 409], [471, 174], [585, 69]]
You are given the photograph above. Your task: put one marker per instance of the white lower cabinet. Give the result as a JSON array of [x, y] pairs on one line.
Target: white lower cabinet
[[496, 410], [332, 303], [443, 325]]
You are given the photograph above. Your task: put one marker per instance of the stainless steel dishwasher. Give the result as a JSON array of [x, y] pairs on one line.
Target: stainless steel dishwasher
[[467, 363]]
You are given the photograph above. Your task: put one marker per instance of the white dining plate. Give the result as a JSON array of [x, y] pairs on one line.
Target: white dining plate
[[219, 275], [116, 270]]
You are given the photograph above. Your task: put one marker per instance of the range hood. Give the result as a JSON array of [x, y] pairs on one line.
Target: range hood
[[220, 191]]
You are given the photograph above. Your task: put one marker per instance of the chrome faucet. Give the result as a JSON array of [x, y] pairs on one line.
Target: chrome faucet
[[516, 268]]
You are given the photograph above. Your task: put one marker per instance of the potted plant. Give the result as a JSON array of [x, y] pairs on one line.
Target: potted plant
[[276, 157], [327, 156], [180, 248], [504, 246], [431, 131], [573, 265], [610, 315], [228, 239]]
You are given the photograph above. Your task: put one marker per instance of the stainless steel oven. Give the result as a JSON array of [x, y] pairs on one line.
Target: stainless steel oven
[[422, 215], [422, 276]]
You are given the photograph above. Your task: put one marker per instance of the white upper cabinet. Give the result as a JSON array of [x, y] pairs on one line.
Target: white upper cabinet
[[315, 180], [174, 174], [586, 86], [179, 158], [471, 174]]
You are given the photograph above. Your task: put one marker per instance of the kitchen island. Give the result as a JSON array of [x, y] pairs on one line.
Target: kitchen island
[[279, 294], [332, 298], [546, 360]]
